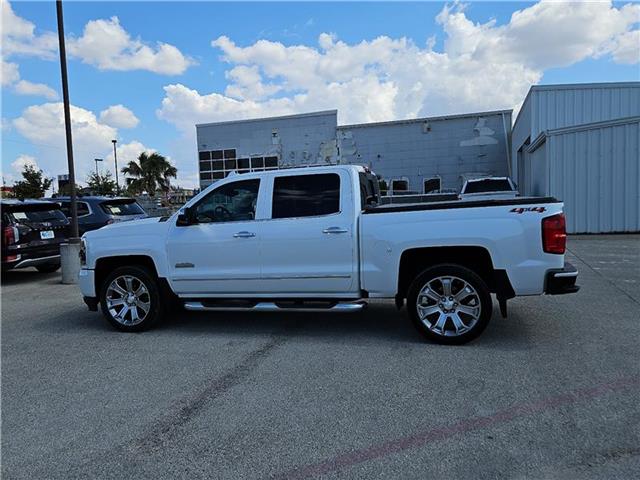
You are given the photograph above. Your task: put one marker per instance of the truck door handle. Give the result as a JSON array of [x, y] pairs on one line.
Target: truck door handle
[[244, 234], [335, 230]]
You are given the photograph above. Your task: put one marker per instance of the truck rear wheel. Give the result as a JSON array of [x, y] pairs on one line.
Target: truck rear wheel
[[449, 304], [130, 299]]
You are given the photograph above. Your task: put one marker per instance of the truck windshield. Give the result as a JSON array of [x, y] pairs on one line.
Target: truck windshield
[[122, 207]]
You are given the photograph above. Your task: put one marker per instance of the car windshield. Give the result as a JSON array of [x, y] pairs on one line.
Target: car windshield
[[122, 207], [37, 215]]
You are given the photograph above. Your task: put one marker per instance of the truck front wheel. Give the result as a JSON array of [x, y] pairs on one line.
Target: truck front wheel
[[130, 299], [449, 304]]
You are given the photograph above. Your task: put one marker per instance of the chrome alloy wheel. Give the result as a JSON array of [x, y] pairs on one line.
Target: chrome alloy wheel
[[128, 300], [448, 306]]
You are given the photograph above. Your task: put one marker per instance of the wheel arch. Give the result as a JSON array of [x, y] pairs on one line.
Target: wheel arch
[[476, 258], [106, 265]]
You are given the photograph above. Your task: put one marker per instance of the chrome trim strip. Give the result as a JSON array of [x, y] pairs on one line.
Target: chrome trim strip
[[300, 277], [272, 307], [35, 261]]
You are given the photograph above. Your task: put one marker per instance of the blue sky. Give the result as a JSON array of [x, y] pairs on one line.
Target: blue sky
[[430, 58]]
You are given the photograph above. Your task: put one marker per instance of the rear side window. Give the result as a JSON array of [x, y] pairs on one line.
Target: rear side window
[[306, 195], [120, 207], [83, 209]]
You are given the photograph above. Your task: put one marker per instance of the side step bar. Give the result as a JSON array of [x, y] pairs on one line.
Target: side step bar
[[199, 306]]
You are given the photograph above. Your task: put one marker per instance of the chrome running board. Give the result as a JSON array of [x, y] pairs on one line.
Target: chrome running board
[[276, 307]]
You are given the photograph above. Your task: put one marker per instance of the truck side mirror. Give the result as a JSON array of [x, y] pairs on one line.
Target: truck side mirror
[[186, 218]]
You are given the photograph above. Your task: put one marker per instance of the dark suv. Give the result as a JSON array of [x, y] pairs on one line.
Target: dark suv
[[96, 212], [32, 231]]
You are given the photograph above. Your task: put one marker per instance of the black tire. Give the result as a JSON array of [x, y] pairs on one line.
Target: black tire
[[472, 324], [48, 268], [141, 275]]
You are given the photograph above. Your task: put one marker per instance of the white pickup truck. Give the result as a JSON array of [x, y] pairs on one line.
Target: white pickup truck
[[315, 238]]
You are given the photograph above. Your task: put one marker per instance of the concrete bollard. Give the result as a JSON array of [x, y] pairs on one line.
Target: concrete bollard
[[70, 261]]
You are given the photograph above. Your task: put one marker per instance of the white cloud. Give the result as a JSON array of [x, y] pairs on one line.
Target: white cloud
[[482, 66], [10, 73], [107, 46], [104, 44], [43, 125], [128, 152], [22, 161], [19, 37], [119, 116], [11, 77], [24, 87]]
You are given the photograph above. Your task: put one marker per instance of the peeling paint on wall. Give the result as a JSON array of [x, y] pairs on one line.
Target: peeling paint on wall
[[483, 135]]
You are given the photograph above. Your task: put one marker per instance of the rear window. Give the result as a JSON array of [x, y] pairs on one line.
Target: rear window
[[306, 195], [489, 185], [36, 215], [122, 207]]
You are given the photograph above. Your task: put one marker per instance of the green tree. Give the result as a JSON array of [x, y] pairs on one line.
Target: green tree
[[34, 185], [65, 190], [102, 184], [149, 174]]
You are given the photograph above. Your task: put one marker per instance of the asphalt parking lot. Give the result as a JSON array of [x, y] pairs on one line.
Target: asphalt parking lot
[[550, 392]]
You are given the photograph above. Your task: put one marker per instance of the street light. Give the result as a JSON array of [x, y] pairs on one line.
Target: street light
[[97, 160], [115, 159]]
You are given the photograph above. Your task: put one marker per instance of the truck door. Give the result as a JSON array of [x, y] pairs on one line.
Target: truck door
[[220, 253], [308, 243]]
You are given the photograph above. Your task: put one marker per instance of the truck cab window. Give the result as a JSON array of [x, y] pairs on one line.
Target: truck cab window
[[306, 195], [233, 202]]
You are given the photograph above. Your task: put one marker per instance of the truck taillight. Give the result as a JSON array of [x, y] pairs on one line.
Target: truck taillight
[[554, 234]]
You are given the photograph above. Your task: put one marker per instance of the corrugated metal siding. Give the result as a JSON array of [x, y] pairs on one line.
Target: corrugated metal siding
[[596, 173], [566, 106]]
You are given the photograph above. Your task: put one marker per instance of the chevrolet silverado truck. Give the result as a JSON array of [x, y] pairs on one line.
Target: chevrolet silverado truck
[[317, 239]]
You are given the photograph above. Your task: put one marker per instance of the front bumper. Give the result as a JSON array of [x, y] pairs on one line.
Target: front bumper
[[560, 281], [86, 282]]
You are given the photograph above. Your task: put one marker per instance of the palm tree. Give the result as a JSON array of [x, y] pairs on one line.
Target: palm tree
[[150, 174]]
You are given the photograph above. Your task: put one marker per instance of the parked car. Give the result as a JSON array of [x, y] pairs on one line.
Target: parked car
[[32, 231], [95, 212], [317, 239], [488, 188]]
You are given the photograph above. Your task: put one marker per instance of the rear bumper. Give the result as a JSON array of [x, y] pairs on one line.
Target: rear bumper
[[562, 280], [31, 262]]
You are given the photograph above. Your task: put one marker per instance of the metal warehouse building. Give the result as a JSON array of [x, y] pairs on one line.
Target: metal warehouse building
[[580, 143], [421, 155]]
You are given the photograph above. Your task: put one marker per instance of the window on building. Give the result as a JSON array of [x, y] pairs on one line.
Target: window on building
[[216, 164], [232, 202], [399, 185], [432, 185], [306, 195], [271, 162]]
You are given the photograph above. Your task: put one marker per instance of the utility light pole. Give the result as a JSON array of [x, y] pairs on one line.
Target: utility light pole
[[97, 160], [67, 124], [115, 159]]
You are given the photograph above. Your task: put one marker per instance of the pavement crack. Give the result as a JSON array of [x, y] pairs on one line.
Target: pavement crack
[[188, 407]]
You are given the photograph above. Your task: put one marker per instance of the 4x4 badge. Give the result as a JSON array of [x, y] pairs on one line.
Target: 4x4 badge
[[528, 209]]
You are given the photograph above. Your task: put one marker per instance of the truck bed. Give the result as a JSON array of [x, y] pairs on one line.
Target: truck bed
[[414, 207]]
